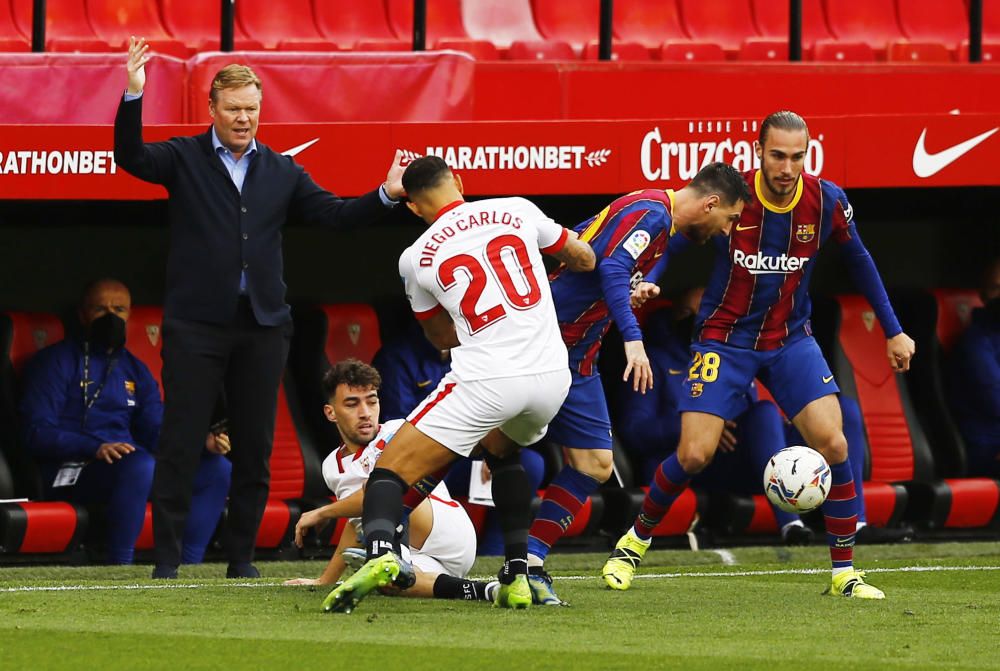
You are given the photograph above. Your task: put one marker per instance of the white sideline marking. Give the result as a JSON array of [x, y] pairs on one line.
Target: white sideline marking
[[706, 574], [791, 571], [96, 588]]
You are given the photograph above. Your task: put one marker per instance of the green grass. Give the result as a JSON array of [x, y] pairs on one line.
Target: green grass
[[934, 619]]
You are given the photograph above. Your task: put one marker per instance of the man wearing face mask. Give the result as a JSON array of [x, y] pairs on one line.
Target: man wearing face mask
[[91, 415], [974, 380]]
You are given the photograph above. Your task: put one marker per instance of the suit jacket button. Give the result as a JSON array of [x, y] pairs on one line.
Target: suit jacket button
[[245, 236], [245, 265], [243, 209]]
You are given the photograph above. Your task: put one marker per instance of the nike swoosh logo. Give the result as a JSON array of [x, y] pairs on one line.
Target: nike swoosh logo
[[423, 384], [744, 228], [674, 372], [926, 164], [826, 380], [301, 148]]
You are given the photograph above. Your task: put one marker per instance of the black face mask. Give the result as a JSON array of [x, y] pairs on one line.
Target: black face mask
[[107, 332]]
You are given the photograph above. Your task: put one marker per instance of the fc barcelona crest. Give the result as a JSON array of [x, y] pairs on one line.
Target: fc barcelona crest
[[805, 232]]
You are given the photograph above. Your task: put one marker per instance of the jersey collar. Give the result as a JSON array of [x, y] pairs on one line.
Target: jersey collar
[[772, 207], [447, 208]]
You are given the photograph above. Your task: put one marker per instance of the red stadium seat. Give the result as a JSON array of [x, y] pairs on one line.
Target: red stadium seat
[[540, 50], [444, 19], [991, 20], [351, 331], [500, 21], [143, 338], [872, 22], [282, 24], [691, 51], [725, 22], [66, 25], [11, 38], [991, 52], [198, 25], [574, 22], [764, 49], [650, 22], [771, 19], [620, 51], [943, 21], [918, 52], [899, 448], [842, 52], [481, 50], [287, 467], [32, 331], [115, 20], [390, 44], [954, 313], [349, 21]]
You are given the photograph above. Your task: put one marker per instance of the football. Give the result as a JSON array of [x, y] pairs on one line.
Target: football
[[797, 479]]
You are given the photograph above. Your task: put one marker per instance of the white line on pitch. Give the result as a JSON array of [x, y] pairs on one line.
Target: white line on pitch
[[693, 574]]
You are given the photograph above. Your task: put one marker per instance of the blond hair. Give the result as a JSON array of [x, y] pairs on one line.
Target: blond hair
[[233, 77]]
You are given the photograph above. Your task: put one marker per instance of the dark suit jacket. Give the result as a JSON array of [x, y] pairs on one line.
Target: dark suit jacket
[[215, 231]]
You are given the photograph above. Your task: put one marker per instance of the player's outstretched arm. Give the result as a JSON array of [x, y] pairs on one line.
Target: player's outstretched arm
[[900, 349], [336, 566], [576, 254], [135, 66]]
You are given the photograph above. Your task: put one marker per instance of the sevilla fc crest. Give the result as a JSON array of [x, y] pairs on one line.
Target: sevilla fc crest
[[805, 232]]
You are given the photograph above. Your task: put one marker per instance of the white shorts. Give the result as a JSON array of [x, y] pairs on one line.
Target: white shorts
[[459, 414], [451, 546]]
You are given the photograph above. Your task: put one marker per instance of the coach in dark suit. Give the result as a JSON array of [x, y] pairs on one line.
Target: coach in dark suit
[[226, 325]]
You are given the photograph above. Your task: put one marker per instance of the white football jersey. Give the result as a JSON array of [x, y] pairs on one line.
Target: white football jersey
[[346, 473], [481, 261]]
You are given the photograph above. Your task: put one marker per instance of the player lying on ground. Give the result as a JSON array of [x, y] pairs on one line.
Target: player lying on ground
[[477, 282], [442, 540], [754, 323]]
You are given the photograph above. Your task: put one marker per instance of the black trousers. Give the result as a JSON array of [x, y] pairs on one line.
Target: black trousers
[[200, 360]]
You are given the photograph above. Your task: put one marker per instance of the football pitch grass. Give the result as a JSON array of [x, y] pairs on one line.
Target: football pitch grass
[[742, 609]]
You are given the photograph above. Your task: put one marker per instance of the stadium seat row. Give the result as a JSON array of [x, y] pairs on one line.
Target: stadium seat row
[[898, 30], [915, 468]]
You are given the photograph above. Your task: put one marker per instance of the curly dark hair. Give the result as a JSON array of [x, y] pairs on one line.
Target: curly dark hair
[[353, 373]]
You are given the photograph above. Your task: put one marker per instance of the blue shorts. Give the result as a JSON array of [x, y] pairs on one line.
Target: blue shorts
[[583, 421], [719, 376]]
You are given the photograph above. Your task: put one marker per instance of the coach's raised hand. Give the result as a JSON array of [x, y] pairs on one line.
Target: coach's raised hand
[[138, 56]]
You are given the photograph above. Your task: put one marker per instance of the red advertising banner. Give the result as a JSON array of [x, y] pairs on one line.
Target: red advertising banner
[[533, 158]]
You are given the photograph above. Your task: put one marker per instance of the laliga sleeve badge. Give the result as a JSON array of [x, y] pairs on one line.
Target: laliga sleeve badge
[[636, 244]]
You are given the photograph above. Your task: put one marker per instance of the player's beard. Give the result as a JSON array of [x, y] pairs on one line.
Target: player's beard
[[778, 189]]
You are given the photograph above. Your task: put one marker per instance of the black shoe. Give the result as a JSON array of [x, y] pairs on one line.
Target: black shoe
[[798, 535], [164, 572], [243, 569]]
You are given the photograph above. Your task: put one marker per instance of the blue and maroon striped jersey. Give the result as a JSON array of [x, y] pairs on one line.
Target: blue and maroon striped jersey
[[757, 296], [629, 238]]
